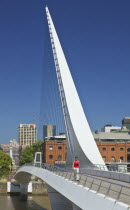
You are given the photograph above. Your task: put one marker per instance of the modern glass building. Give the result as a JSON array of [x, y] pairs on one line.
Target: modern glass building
[[49, 130]]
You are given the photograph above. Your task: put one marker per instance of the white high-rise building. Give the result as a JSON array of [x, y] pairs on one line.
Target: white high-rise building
[[27, 134]]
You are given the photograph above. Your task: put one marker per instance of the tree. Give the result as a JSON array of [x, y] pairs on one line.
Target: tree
[[26, 156], [5, 163], [28, 153], [37, 147]]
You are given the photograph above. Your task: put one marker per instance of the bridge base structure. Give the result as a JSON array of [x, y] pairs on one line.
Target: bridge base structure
[[24, 191], [24, 181]]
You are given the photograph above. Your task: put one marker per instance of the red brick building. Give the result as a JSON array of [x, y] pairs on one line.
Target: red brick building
[[114, 151], [54, 150]]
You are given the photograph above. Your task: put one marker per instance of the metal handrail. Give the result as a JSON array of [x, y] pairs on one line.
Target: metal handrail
[[68, 173], [114, 166], [85, 181], [71, 170]]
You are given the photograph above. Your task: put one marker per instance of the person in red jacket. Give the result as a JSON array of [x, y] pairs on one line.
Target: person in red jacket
[[76, 166]]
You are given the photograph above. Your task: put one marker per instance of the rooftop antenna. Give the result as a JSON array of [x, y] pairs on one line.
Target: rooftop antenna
[[33, 119]]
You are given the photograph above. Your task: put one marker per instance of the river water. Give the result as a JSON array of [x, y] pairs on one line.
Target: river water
[[33, 203]]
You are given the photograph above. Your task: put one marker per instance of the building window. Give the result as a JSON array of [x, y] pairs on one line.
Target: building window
[[50, 148], [104, 149], [121, 149], [50, 156], [113, 149], [59, 148], [59, 157], [128, 150], [104, 158], [121, 158], [113, 159]]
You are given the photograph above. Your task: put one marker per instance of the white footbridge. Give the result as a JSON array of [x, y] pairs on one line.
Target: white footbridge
[[95, 190], [89, 193]]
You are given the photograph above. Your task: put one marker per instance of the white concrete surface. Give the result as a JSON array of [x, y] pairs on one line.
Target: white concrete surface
[[81, 196], [15, 188]]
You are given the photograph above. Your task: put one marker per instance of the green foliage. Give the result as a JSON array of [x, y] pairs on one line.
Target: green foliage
[[28, 153], [120, 140], [26, 156], [37, 147], [5, 164]]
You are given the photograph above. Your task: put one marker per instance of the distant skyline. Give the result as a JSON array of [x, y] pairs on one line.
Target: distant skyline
[[95, 36]]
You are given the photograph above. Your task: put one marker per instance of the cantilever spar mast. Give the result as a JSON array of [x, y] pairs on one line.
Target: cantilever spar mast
[[80, 141]]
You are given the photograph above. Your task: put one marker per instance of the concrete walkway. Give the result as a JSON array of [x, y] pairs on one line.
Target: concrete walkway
[[118, 190]]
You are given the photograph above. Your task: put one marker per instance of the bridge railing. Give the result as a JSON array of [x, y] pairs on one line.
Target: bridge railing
[[56, 168], [117, 167], [113, 167], [110, 189], [28, 164]]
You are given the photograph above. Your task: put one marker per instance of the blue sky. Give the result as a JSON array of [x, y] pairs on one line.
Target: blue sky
[[95, 36]]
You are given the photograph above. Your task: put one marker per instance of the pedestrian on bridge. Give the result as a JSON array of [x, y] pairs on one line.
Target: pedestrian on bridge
[[76, 166]]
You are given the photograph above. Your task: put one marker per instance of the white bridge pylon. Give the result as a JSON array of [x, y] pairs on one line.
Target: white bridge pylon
[[80, 141]]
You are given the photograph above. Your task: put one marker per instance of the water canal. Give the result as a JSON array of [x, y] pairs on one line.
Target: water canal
[[34, 202]]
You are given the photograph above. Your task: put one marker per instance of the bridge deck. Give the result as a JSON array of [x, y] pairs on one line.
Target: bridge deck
[[118, 190], [114, 181], [111, 188]]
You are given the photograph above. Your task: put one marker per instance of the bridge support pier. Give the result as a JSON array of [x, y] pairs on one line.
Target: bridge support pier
[[24, 191], [23, 179], [58, 201]]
